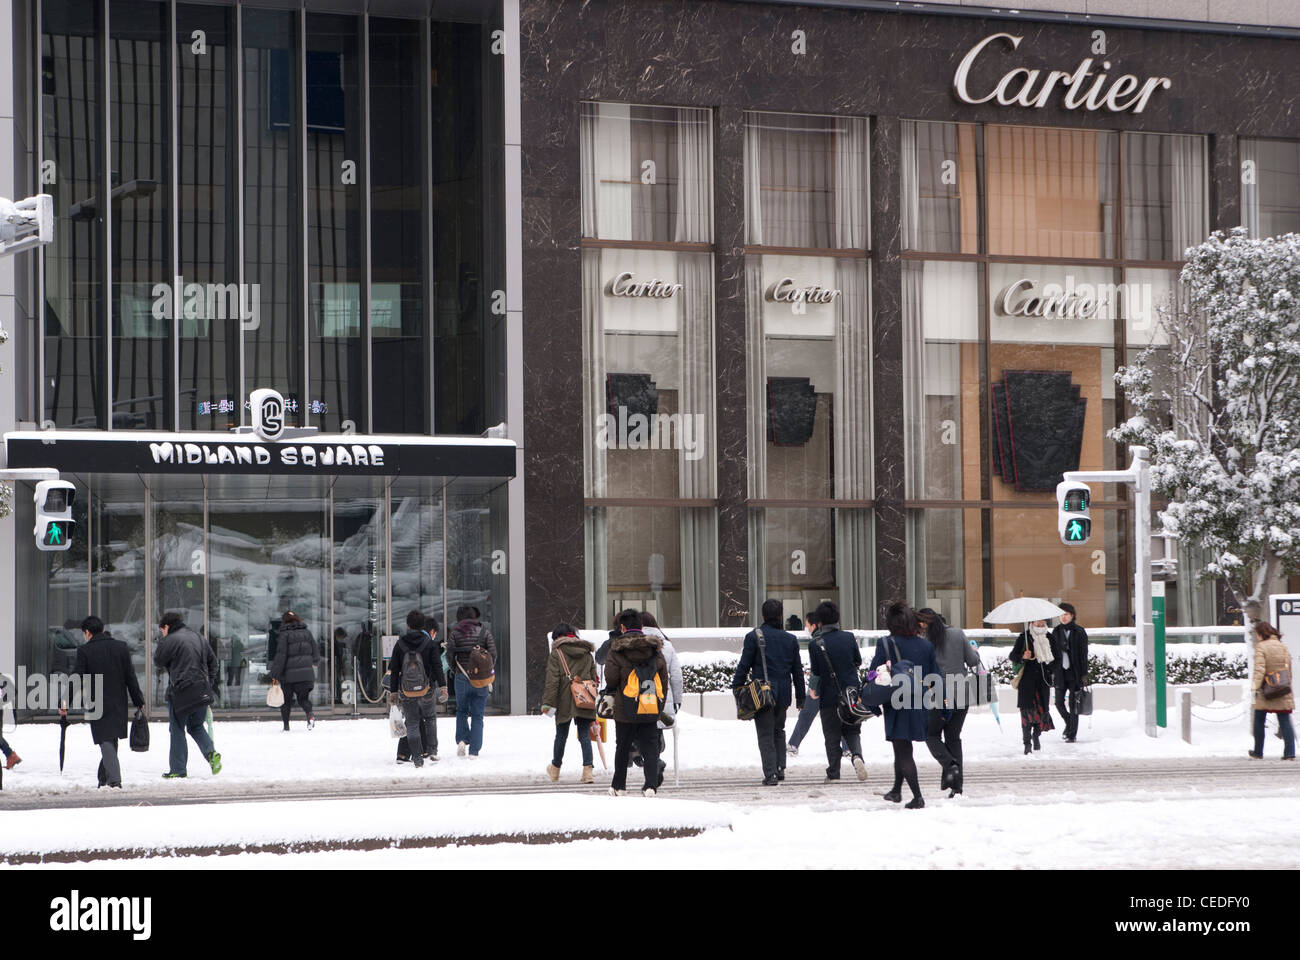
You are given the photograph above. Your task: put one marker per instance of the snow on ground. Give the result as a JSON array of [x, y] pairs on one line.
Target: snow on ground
[[1156, 832], [517, 749], [1112, 653]]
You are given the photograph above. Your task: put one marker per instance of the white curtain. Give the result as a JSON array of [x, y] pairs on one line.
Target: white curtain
[[1250, 192], [595, 472], [855, 575], [694, 176], [913, 274], [756, 362], [850, 201], [697, 477], [910, 213], [1189, 192], [753, 188]]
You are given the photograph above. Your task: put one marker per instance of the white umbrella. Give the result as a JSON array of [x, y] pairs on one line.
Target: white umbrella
[[1023, 610]]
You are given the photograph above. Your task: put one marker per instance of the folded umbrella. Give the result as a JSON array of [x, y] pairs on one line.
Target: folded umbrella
[[63, 732]]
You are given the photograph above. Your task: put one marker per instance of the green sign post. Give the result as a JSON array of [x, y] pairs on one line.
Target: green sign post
[[1158, 647]]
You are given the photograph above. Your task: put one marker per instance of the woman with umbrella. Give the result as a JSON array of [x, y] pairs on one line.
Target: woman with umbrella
[[1033, 654]]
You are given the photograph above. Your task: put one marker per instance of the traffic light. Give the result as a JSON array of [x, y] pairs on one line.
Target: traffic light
[[1072, 519], [54, 524]]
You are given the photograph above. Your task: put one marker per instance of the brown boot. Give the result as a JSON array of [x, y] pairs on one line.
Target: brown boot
[[553, 772], [588, 775], [14, 760]]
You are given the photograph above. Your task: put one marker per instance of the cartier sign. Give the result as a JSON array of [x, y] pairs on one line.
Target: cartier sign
[[1076, 303], [1081, 87], [785, 291], [626, 285]]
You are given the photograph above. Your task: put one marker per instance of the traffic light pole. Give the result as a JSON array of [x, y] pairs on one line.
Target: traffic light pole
[[1138, 475]]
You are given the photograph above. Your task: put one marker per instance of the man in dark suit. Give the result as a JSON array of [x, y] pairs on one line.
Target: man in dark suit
[[1069, 668], [834, 658], [110, 659], [776, 661]]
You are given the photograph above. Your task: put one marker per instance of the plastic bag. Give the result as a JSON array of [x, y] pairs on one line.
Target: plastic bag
[[396, 721], [275, 695]]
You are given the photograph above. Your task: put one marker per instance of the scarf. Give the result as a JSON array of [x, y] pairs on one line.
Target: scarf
[[1042, 647]]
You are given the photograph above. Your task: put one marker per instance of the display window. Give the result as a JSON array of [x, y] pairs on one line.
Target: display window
[[1270, 186]]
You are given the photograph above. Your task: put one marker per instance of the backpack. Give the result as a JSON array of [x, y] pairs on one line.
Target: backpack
[[480, 666], [643, 694], [415, 681]]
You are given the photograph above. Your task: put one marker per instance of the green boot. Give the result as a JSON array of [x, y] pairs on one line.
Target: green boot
[[214, 761], [173, 776]]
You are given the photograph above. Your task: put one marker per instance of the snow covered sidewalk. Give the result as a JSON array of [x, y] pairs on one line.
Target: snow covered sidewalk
[[517, 749]]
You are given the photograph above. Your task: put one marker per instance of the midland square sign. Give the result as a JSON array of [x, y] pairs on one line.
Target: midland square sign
[[1024, 87]]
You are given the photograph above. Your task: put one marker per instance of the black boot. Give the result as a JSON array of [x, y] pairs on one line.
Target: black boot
[[1037, 745], [1028, 745]]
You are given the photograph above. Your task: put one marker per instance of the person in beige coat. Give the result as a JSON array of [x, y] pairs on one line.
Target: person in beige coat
[[1271, 655]]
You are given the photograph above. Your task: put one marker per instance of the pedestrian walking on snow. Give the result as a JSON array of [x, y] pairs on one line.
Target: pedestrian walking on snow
[[834, 657], [673, 702], [571, 658], [294, 666], [1069, 668], [771, 654], [1271, 658], [102, 655], [636, 685], [909, 722], [192, 670], [953, 654], [415, 674], [471, 695], [1033, 651]]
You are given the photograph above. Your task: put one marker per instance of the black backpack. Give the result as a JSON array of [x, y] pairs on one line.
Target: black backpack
[[415, 680], [643, 693]]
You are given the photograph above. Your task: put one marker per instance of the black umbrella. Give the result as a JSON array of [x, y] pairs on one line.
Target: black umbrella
[[63, 731]]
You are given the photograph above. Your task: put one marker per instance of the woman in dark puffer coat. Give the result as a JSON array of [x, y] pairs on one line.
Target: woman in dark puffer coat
[[294, 666]]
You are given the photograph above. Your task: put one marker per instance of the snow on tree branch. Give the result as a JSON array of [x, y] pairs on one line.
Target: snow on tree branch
[[1219, 407]]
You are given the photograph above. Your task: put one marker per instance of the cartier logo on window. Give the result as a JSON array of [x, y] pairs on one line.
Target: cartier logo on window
[[786, 290], [626, 285], [1083, 86]]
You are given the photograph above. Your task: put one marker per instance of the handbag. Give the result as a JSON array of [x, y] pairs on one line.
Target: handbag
[[754, 697], [584, 691], [275, 695], [1081, 701], [1276, 684], [139, 738], [1015, 680]]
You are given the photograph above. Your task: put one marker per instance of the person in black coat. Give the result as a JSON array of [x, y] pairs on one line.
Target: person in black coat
[[834, 658], [420, 712], [1070, 668], [779, 664], [909, 721], [192, 671], [108, 658], [294, 666], [1033, 650]]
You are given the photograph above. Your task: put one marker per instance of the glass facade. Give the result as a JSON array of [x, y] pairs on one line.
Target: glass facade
[[648, 351], [1010, 349], [1270, 186], [808, 309], [297, 200], [249, 197]]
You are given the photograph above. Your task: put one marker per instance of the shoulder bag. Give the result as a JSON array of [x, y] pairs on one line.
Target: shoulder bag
[[1277, 684], [584, 691], [756, 696], [1081, 701], [848, 704]]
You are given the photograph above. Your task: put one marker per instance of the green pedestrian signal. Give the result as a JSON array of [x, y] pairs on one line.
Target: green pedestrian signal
[[55, 527], [1073, 523]]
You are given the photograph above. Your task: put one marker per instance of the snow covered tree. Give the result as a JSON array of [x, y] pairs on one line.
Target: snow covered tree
[[1219, 407]]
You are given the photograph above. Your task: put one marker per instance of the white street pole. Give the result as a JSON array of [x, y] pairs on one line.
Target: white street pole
[[1137, 475]]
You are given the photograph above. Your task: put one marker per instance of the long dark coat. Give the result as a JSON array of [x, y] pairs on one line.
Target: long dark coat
[[912, 723], [110, 658], [1036, 681]]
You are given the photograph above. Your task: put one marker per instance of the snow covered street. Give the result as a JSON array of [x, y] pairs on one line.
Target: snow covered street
[[1129, 801]]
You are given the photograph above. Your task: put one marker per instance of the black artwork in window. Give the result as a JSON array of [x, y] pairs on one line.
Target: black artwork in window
[[635, 391], [1038, 420], [791, 410]]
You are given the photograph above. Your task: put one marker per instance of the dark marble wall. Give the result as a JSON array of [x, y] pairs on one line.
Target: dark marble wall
[[732, 56]]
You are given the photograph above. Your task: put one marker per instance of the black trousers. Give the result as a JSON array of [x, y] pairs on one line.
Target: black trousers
[[1063, 708], [421, 725], [646, 738], [943, 737], [301, 692], [770, 727], [833, 731]]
